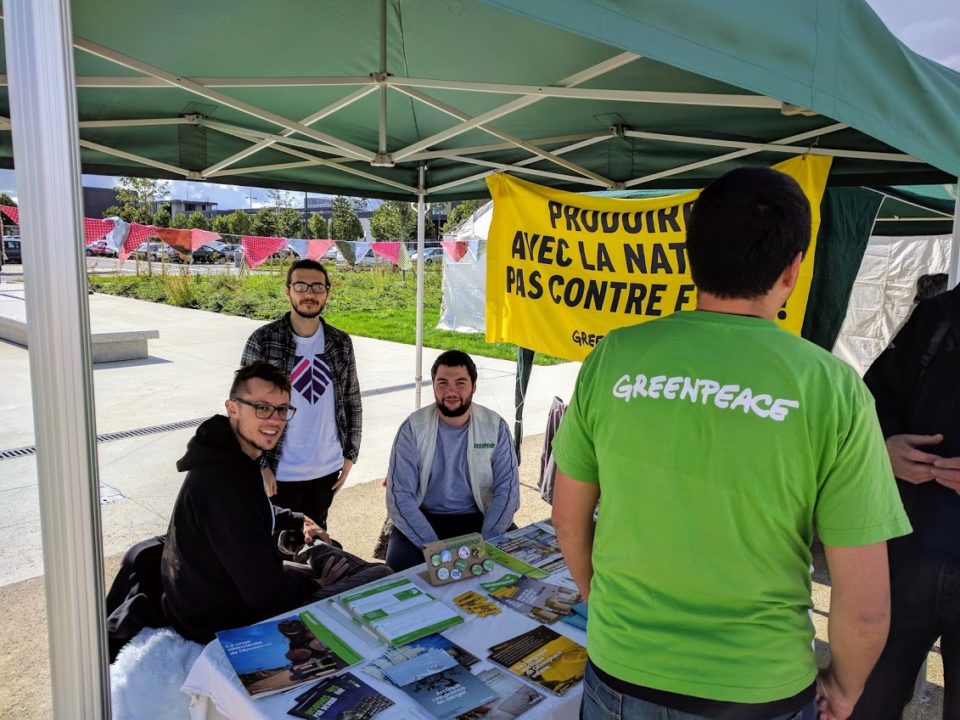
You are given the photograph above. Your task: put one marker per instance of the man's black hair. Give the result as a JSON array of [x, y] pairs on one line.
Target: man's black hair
[[260, 370], [307, 265], [454, 358], [745, 230]]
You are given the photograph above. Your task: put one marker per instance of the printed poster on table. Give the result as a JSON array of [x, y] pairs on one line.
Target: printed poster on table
[[564, 269]]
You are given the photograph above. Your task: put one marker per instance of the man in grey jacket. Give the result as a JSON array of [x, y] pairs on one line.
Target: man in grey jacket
[[452, 468]]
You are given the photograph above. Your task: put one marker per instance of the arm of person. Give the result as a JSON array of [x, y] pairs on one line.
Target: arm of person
[[506, 486], [403, 479], [344, 472], [573, 505], [909, 462], [353, 406], [244, 546], [858, 625]]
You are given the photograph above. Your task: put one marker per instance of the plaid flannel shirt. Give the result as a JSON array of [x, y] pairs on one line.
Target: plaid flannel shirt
[[274, 343]]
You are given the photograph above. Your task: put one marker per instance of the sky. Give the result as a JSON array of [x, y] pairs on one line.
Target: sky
[[929, 27]]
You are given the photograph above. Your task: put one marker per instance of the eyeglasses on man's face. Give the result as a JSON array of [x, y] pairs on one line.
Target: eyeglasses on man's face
[[317, 288], [265, 411]]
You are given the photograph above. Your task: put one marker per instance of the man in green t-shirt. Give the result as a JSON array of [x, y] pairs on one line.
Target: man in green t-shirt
[[718, 442]]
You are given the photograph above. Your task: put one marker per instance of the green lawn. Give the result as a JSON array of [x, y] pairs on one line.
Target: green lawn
[[375, 303]]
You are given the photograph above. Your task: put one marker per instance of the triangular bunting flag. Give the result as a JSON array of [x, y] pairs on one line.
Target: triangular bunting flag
[[473, 246], [346, 248], [360, 250], [456, 249], [388, 250], [256, 249], [137, 235], [181, 240], [316, 249], [94, 229], [300, 247], [11, 212], [404, 260], [199, 238]]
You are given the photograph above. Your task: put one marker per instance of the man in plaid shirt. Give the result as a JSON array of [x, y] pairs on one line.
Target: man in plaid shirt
[[320, 445]]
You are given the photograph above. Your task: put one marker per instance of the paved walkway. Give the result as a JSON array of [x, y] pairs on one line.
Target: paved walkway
[[154, 405]]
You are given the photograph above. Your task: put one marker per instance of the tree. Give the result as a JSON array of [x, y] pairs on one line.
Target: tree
[[265, 223], [161, 218], [180, 221], [279, 199], [460, 213], [397, 220], [220, 224], [137, 197], [317, 225], [289, 223], [240, 223], [7, 200], [197, 220], [344, 223]]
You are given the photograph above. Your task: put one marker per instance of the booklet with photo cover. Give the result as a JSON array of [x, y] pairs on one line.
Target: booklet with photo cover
[[447, 694], [542, 601], [275, 655], [544, 657], [532, 551], [398, 611], [394, 656], [514, 697], [345, 696]]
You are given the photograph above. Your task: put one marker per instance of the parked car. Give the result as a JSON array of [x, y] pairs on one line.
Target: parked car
[[288, 254], [101, 248], [431, 255], [157, 252], [212, 252], [233, 251], [11, 250]]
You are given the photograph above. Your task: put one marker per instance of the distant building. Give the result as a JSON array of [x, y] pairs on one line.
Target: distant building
[[97, 200], [187, 207]]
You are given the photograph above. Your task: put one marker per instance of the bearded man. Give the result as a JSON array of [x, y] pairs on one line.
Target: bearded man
[[314, 456], [452, 468]]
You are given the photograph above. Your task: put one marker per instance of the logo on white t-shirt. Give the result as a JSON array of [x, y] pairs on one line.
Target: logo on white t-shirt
[[310, 377]]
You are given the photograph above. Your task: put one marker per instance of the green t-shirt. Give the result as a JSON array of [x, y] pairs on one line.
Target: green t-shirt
[[717, 441]]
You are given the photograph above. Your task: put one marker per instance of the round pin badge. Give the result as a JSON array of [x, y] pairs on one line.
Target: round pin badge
[[446, 556], [488, 564], [442, 573], [455, 574], [435, 560], [463, 551], [476, 569], [460, 565]]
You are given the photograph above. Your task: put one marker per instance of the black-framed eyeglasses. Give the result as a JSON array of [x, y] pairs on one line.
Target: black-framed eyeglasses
[[265, 411], [317, 288]]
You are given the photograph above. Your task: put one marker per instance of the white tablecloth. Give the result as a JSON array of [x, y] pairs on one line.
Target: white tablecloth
[[216, 692]]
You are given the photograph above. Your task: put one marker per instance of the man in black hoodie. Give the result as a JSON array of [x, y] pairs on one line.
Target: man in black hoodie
[[220, 568]]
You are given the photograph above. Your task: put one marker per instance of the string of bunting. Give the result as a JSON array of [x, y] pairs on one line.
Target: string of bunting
[[126, 238]]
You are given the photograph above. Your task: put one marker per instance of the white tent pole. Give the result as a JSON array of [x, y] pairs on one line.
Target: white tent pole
[[47, 151], [421, 214], [954, 269]]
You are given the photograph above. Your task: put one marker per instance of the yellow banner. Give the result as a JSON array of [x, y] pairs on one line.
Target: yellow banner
[[564, 269]]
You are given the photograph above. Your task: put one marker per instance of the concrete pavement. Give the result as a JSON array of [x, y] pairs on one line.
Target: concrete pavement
[[154, 405]]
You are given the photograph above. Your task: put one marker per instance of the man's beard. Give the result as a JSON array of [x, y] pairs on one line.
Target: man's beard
[[239, 430], [457, 411], [306, 314]]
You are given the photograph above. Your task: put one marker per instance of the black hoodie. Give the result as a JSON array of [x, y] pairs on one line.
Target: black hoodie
[[220, 569]]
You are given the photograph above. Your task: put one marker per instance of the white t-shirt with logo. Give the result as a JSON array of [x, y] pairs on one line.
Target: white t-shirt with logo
[[311, 448]]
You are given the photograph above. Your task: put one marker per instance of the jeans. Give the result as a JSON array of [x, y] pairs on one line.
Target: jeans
[[601, 702], [924, 605]]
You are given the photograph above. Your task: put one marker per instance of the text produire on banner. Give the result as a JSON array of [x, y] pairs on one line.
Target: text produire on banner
[[563, 269]]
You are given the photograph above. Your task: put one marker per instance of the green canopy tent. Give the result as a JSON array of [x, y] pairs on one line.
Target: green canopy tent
[[411, 99]]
